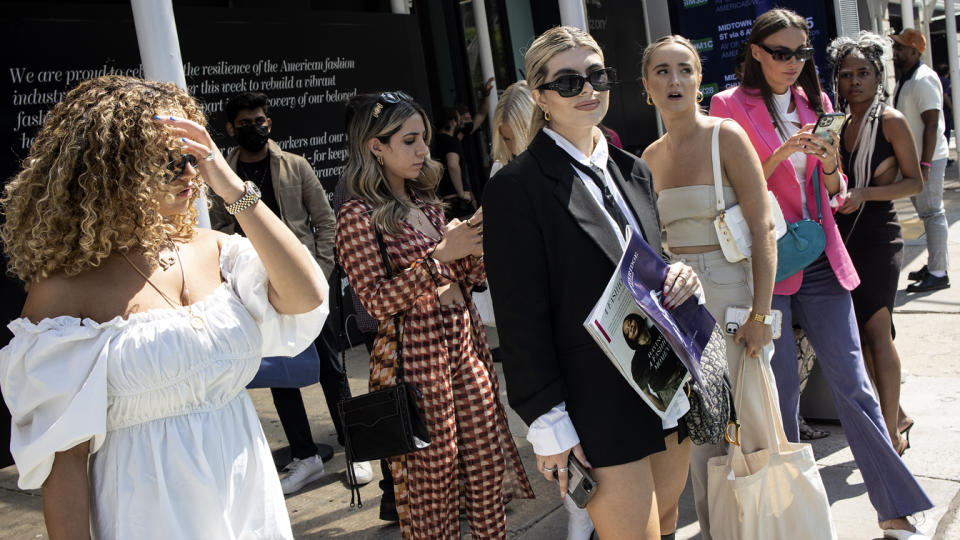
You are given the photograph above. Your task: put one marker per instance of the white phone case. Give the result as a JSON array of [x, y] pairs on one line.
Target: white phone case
[[737, 315]]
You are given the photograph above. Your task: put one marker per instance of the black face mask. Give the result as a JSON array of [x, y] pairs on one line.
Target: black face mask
[[253, 137]]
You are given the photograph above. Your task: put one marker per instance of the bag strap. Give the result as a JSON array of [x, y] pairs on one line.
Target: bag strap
[[398, 318], [715, 159], [816, 191]]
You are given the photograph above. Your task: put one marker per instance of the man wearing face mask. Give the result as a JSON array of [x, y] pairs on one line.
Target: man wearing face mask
[[289, 187]]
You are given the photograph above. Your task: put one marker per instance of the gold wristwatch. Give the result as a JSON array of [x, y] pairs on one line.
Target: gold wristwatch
[[250, 198], [762, 319]]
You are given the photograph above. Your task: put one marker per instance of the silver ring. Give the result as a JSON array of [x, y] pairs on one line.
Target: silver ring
[[563, 469], [210, 156], [550, 469], [681, 277], [823, 154]]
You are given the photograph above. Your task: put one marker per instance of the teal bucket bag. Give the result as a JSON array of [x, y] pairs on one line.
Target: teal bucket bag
[[803, 242]]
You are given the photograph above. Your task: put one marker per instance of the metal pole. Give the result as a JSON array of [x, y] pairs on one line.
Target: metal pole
[[160, 56], [574, 13], [950, 12], [400, 7], [906, 14], [486, 53]]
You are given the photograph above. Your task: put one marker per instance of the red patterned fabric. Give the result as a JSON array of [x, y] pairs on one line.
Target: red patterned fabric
[[472, 457]]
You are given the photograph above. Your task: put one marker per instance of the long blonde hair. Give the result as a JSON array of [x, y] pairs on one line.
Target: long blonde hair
[[371, 117], [93, 180], [547, 45], [515, 109]]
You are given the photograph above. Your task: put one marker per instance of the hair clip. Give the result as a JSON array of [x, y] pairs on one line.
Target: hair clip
[[377, 109]]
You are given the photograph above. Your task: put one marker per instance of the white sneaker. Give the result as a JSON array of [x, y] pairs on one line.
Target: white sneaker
[[300, 473], [363, 472]]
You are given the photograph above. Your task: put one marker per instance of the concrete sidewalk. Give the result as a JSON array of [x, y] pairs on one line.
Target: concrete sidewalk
[[927, 340]]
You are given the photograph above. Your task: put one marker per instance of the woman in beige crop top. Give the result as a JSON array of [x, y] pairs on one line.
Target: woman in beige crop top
[[683, 179]]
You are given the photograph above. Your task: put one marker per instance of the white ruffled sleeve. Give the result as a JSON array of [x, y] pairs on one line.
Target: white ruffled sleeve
[[54, 380], [283, 335]]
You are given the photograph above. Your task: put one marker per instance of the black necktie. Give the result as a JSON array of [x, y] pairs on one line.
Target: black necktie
[[609, 203]]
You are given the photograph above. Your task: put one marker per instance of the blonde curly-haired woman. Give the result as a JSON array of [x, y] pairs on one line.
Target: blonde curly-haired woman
[[140, 331]]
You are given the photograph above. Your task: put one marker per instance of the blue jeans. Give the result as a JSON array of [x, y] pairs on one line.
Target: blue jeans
[[823, 308], [929, 205]]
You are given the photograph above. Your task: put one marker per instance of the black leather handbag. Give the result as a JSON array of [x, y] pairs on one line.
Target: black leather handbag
[[384, 423]]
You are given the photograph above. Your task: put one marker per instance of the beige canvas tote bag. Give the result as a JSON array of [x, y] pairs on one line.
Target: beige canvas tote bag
[[773, 492]]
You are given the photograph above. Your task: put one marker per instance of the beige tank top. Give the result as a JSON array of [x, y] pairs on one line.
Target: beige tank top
[[687, 214]]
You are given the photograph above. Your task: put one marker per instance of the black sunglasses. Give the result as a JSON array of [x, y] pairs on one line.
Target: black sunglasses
[[179, 166], [572, 84], [782, 54]]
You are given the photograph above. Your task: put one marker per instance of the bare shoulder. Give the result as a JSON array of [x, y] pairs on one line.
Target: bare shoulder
[[733, 138], [892, 117], [652, 151], [208, 237], [55, 296]]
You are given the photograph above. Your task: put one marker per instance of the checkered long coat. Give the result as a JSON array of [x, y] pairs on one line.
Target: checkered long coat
[[446, 355]]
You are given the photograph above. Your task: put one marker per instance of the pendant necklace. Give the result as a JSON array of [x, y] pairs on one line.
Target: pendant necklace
[[195, 320]]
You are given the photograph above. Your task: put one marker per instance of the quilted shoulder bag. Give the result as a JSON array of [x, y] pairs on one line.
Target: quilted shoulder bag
[[732, 229], [387, 422], [711, 405], [804, 241]]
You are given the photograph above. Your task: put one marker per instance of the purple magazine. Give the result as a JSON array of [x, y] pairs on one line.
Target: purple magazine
[[687, 327]]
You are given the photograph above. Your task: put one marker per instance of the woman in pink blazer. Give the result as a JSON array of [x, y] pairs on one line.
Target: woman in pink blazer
[[778, 104]]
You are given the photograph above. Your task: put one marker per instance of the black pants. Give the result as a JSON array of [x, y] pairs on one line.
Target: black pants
[[289, 401]]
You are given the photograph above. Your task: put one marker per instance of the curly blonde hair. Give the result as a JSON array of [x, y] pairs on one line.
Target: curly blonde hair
[[371, 117], [92, 182]]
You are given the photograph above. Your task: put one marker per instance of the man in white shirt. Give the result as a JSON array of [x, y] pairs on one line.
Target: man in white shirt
[[919, 97]]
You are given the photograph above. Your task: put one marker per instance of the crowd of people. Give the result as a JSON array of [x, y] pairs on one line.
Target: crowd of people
[[141, 329]]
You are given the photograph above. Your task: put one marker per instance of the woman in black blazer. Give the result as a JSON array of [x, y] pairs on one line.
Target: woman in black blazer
[[550, 247]]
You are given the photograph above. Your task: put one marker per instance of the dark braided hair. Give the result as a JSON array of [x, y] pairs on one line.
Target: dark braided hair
[[875, 49]]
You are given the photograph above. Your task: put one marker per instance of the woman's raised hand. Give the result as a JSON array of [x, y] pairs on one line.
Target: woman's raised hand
[[460, 239], [198, 142]]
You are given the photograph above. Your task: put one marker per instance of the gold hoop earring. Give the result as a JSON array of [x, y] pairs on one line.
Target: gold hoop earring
[[649, 100], [380, 160], [546, 116], [699, 96]]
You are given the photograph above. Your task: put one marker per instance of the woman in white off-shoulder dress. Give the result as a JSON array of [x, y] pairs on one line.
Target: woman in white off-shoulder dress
[[140, 331]]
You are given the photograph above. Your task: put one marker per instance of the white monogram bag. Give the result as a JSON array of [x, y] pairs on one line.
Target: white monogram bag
[[731, 226]]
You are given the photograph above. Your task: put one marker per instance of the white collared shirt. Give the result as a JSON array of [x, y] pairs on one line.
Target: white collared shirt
[[598, 159]]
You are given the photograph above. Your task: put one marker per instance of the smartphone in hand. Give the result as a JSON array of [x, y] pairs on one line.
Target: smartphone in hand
[[829, 124], [580, 484]]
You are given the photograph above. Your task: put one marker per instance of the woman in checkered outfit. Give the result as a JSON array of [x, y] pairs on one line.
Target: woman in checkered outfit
[[472, 458]]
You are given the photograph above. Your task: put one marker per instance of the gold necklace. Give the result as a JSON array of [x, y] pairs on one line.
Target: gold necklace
[[195, 320]]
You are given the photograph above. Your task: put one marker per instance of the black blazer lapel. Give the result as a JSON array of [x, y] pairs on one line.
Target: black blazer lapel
[[574, 196], [636, 188]]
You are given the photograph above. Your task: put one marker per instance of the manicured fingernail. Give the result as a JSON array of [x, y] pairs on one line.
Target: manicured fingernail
[[156, 117], [172, 118], [183, 139]]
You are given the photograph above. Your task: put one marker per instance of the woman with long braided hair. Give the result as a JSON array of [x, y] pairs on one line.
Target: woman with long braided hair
[[876, 149]]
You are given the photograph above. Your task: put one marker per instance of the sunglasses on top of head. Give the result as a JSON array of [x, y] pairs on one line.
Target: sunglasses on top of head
[[178, 166], [389, 98], [571, 84], [783, 54]]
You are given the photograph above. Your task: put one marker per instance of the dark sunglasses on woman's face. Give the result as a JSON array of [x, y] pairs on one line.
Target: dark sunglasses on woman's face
[[178, 166], [782, 54], [572, 84]]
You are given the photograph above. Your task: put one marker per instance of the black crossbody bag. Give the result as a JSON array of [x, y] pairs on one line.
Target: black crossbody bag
[[387, 422]]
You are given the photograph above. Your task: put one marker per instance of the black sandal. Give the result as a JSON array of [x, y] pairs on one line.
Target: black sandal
[[808, 433]]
